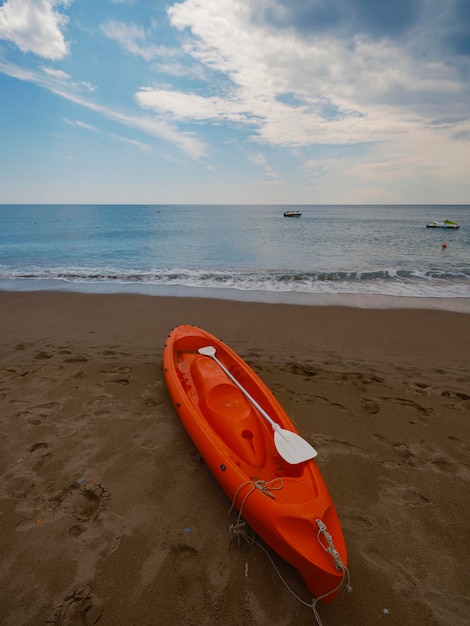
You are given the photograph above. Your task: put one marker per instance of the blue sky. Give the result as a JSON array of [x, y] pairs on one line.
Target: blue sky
[[235, 101]]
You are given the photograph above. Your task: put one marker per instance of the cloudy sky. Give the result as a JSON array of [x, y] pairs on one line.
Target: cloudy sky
[[235, 101]]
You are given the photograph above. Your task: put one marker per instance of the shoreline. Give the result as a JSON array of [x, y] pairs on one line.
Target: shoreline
[[287, 325], [354, 300], [110, 516]]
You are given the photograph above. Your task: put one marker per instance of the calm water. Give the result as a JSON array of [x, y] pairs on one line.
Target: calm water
[[245, 249]]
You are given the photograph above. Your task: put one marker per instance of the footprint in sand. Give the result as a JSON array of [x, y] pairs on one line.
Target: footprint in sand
[[369, 406], [76, 358], [40, 453], [420, 389], [384, 441], [430, 457], [354, 520], [459, 401], [152, 565], [87, 503], [394, 499], [149, 400], [39, 413], [184, 559], [456, 395], [410, 404], [100, 406], [460, 445], [300, 370], [329, 445], [317, 400], [112, 354], [118, 381], [358, 380], [146, 440], [18, 485], [81, 606], [42, 355], [401, 579], [82, 501], [119, 374]]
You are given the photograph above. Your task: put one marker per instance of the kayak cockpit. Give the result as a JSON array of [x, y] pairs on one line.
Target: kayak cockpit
[[225, 412], [228, 413]]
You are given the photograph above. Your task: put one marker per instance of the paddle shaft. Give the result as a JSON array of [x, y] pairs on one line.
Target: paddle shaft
[[245, 392]]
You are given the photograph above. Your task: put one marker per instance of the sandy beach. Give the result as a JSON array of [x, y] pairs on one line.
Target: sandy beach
[[109, 516]]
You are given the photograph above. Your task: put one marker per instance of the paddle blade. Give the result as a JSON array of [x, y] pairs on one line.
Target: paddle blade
[[207, 351], [292, 448]]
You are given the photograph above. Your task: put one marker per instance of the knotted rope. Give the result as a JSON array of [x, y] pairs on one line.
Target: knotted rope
[[323, 537], [266, 487], [329, 547]]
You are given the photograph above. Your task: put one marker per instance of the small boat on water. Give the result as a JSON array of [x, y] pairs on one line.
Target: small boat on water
[[292, 213], [445, 224], [256, 454]]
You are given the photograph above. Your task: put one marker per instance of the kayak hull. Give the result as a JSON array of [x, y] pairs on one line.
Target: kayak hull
[[286, 505]]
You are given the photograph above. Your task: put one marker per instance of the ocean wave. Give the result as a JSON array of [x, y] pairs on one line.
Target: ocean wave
[[430, 283]]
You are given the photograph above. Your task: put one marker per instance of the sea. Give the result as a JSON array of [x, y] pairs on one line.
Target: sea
[[361, 255]]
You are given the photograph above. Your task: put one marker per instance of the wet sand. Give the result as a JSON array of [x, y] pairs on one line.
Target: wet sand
[[109, 515]]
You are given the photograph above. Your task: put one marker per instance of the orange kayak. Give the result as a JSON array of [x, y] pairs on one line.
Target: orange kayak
[[222, 403]]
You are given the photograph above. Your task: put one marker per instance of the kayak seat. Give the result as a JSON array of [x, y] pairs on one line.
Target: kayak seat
[[228, 412]]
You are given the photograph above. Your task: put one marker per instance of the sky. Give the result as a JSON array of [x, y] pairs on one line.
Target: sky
[[235, 101]]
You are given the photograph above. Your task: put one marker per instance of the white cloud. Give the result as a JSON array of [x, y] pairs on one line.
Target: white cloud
[[135, 40], [131, 142], [62, 80], [260, 160], [35, 26], [191, 107], [186, 142], [126, 140], [177, 68], [138, 41], [80, 124], [418, 163], [424, 156], [300, 91], [59, 74]]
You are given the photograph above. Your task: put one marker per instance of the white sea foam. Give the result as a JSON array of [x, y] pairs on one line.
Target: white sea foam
[[382, 282]]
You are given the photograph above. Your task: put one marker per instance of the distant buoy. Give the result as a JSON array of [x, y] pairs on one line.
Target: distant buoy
[[444, 245]]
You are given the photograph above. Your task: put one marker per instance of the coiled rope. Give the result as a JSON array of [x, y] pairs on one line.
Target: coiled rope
[[323, 537]]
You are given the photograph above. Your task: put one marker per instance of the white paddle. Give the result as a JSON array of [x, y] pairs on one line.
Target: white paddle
[[290, 446]]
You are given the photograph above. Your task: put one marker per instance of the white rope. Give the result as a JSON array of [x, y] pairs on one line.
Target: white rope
[[330, 548], [266, 487], [239, 528]]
